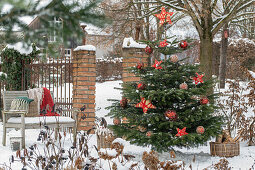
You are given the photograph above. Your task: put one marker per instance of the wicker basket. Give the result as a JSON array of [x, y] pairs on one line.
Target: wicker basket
[[104, 141], [225, 149], [33, 109]]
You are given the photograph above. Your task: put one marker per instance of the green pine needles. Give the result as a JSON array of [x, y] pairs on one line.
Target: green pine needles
[[188, 102]]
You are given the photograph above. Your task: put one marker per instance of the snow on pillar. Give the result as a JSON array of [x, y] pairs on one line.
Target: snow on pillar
[[133, 53], [84, 84]]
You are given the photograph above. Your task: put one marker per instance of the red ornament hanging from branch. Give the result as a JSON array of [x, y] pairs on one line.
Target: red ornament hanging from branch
[[174, 58], [200, 130], [141, 86], [164, 16], [139, 66], [123, 102], [183, 44], [148, 50], [181, 132], [149, 133], [204, 100], [145, 104], [157, 64], [171, 115], [163, 44], [183, 86], [198, 79], [116, 121]]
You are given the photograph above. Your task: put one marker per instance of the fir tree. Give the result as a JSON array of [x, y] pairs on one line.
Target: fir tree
[[179, 102]]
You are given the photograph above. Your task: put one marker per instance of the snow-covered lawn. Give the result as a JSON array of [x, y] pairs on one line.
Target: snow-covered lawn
[[106, 91]]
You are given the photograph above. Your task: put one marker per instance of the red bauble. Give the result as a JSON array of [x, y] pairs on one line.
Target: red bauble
[[204, 100], [141, 86], [171, 115], [123, 102], [184, 86], [149, 133], [148, 50], [174, 58], [139, 66], [116, 121], [200, 130], [183, 44]]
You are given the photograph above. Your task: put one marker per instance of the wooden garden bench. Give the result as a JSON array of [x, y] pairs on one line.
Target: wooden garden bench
[[18, 119]]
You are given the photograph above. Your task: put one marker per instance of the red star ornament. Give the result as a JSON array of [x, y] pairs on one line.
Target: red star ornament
[[198, 79], [157, 64], [145, 104], [164, 16], [163, 43], [181, 132], [168, 17]]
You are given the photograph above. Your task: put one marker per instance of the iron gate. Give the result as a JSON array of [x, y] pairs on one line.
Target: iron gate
[[53, 73]]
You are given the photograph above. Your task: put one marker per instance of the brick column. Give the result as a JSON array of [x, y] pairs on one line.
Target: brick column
[[133, 53], [84, 84]]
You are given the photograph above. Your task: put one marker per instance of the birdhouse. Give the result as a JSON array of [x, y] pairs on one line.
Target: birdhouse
[[226, 33]]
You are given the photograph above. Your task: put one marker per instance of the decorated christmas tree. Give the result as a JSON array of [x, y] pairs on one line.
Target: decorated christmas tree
[[170, 106]]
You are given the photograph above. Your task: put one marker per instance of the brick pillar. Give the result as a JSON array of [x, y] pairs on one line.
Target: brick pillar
[[131, 56], [84, 84]]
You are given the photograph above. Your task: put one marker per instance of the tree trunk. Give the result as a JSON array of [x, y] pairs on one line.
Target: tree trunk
[[251, 143], [223, 56], [206, 55], [137, 31]]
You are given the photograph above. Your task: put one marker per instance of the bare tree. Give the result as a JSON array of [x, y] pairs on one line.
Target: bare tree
[[246, 24], [208, 21], [135, 19]]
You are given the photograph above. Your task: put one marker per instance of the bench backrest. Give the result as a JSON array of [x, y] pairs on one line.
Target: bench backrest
[[8, 97]]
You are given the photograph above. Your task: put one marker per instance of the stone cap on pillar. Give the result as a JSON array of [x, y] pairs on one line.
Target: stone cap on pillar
[[131, 43], [85, 48]]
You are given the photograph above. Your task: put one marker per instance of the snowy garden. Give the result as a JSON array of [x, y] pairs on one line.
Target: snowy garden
[[127, 85]]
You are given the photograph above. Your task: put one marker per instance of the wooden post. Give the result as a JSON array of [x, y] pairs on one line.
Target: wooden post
[[223, 56]]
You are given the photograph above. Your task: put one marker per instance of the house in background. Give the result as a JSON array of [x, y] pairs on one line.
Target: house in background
[[93, 35]]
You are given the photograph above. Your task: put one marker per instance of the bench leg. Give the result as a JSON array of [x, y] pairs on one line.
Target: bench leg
[[4, 130], [4, 136], [23, 131]]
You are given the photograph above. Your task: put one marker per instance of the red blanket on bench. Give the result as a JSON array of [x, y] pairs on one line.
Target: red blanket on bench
[[47, 100]]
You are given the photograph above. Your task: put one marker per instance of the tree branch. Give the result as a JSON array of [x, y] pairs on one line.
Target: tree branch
[[240, 6], [196, 7], [214, 4], [194, 18], [172, 6]]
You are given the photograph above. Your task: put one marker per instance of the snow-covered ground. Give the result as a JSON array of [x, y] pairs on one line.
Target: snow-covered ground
[[106, 91]]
